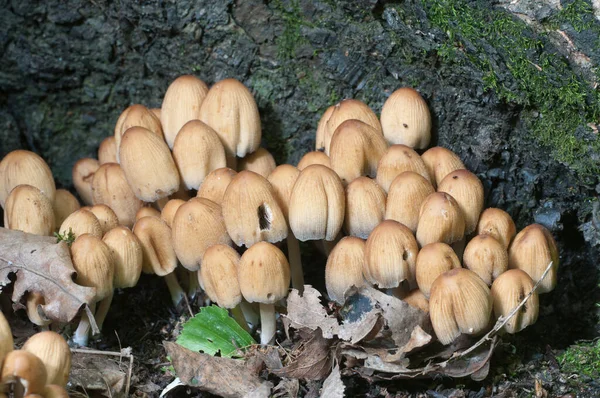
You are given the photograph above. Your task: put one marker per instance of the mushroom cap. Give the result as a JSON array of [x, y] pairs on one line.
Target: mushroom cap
[[531, 251], [127, 254], [440, 162], [94, 263], [169, 210], [344, 268], [365, 207], [148, 211], [106, 216], [251, 211], [219, 275], [181, 104], [264, 274], [433, 260], [52, 349], [83, 175], [398, 159], [407, 193], [355, 150], [230, 109], [197, 151], [107, 152], [157, 246], [65, 203], [487, 257], [440, 220], [314, 157], [508, 290], [23, 367], [6, 338], [390, 255], [416, 299], [405, 119], [467, 189], [148, 165], [498, 224], [321, 131], [136, 116], [215, 184], [317, 204], [33, 307], [81, 222], [27, 209], [197, 225], [460, 303], [24, 167], [260, 161], [283, 179]]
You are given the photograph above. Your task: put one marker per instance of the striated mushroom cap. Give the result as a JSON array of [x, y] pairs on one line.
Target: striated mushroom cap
[[24, 167], [219, 275], [397, 160], [264, 274], [65, 203], [136, 116], [283, 179], [508, 290], [467, 189], [157, 247], [54, 352], [27, 209], [23, 367], [440, 220], [106, 217], [406, 120], [498, 224], [83, 175], [405, 197], [81, 222], [260, 161], [94, 263], [344, 268], [107, 152], [485, 256], [440, 162], [314, 157], [127, 254], [215, 184], [433, 260], [365, 207]]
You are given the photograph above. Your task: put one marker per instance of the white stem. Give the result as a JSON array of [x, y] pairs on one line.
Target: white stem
[[102, 309], [83, 330], [238, 315], [175, 289], [295, 262], [249, 314], [194, 285], [267, 323]]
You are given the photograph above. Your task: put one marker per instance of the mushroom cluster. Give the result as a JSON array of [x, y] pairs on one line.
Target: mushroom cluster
[[188, 184]]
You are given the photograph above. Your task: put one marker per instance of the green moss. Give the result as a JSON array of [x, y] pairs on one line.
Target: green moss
[[291, 38], [582, 359], [558, 104], [579, 14]]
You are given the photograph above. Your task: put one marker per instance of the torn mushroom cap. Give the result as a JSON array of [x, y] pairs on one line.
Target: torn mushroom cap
[[260, 161], [405, 197], [398, 159], [197, 151], [148, 165], [314, 157], [251, 211], [94, 263], [136, 116], [229, 108], [406, 120], [110, 187], [107, 152], [440, 220], [23, 367], [390, 255], [27, 209], [168, 211], [219, 275], [215, 184], [532, 250], [365, 207], [264, 274], [157, 247], [54, 352], [460, 303], [148, 211], [345, 110], [181, 104], [507, 292], [81, 222], [433, 260], [127, 254], [83, 174], [416, 299], [440, 162], [355, 150], [467, 189], [345, 268], [65, 203], [33, 306], [6, 338], [106, 216], [485, 256], [321, 131], [197, 225], [283, 179], [498, 224], [317, 204], [25, 167]]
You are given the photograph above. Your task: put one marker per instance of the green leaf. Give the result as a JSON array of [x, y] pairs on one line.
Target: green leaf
[[213, 330]]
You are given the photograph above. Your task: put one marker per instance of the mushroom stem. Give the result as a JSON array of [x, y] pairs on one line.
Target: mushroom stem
[[295, 262], [80, 337], [238, 315], [102, 309], [175, 289], [231, 161], [249, 314], [328, 246], [267, 323], [194, 285]]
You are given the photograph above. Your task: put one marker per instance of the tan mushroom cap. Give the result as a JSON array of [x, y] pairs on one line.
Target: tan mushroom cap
[[81, 222], [33, 307], [264, 274], [314, 157], [27, 209], [355, 150], [440, 220], [83, 175], [219, 275], [321, 132], [532, 250], [467, 189], [260, 161], [6, 338], [168, 212], [157, 247], [54, 352], [24, 167], [197, 151], [440, 162], [65, 203], [390, 255], [107, 152], [485, 256], [508, 290], [181, 104], [433, 260], [94, 263], [416, 299], [25, 368], [365, 207], [215, 184], [197, 225], [127, 254], [405, 197], [498, 224], [405, 119], [148, 211], [283, 179], [460, 303], [106, 217], [344, 268], [136, 116], [398, 159]]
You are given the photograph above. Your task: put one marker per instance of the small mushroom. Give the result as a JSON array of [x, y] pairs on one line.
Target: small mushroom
[[168, 211], [65, 203], [498, 224], [467, 189], [215, 184], [433, 260], [107, 152], [365, 207], [440, 162], [106, 217], [6, 338], [405, 119], [485, 256], [405, 197], [260, 161], [27, 209], [416, 299], [344, 268], [398, 159], [314, 157], [321, 132], [25, 369], [440, 220], [33, 306], [508, 290], [52, 349], [81, 222], [83, 175], [24, 167], [136, 116], [148, 211]]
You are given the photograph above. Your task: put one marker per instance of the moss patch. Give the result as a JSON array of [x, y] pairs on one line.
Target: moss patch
[[582, 359], [291, 38]]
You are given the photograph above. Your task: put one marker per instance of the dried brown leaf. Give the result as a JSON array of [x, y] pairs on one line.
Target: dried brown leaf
[[91, 372], [287, 388], [333, 387], [311, 359], [306, 311], [42, 266]]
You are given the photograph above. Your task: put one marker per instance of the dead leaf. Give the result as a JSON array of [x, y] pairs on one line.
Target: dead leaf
[[360, 317], [97, 373], [287, 388], [333, 387], [225, 377], [311, 359], [42, 266], [306, 311]]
